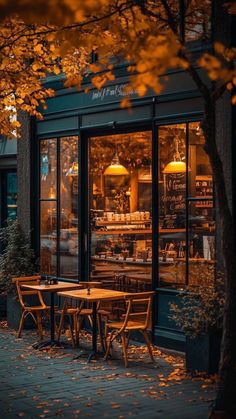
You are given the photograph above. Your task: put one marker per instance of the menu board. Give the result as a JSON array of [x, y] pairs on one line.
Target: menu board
[[173, 198]]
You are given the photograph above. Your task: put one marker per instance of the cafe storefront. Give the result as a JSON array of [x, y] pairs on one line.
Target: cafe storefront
[[126, 196]]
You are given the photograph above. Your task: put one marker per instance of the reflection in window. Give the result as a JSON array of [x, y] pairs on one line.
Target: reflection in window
[[172, 204], [59, 229], [185, 256], [201, 211], [198, 21], [48, 237], [120, 173], [69, 208], [48, 168], [11, 195]]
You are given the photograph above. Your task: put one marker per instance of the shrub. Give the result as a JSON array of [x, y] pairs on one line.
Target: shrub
[[201, 308], [17, 258]]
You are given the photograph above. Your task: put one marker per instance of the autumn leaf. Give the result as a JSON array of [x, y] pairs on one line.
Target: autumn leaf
[[115, 405]]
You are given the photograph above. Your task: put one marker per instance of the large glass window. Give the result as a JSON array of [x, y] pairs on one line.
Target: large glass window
[[197, 24], [201, 213], [69, 207], [48, 206], [8, 196], [120, 208], [120, 176], [48, 169], [186, 213], [172, 204], [59, 206], [11, 195], [48, 237]]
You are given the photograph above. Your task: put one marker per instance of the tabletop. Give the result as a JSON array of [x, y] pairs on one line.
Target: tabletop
[[96, 294], [60, 286]]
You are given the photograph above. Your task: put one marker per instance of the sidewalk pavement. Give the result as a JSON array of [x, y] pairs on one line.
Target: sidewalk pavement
[[52, 384]]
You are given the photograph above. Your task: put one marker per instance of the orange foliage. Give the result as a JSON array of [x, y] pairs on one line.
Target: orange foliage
[[145, 34]]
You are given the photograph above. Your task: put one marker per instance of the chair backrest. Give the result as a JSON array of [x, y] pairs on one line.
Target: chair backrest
[[22, 292], [139, 306]]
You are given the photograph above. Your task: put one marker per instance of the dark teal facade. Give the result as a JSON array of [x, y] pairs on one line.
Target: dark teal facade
[[72, 112]]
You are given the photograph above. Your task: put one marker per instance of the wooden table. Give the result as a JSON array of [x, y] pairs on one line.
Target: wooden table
[[60, 286], [94, 295]]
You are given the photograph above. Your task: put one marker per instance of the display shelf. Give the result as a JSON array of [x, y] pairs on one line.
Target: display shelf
[[125, 222], [122, 231], [118, 261], [140, 231], [172, 230]]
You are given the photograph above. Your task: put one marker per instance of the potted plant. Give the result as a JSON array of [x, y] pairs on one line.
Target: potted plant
[[17, 259], [200, 316]]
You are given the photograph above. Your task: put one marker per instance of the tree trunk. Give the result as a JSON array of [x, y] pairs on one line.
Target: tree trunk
[[226, 396]]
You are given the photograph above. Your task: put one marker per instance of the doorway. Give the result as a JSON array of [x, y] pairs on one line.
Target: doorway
[[120, 210]]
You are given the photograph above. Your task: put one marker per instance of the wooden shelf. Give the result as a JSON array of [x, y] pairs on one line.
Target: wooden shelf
[[141, 231], [172, 230], [125, 222], [122, 231]]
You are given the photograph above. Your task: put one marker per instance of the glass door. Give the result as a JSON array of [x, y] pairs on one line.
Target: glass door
[[120, 208]]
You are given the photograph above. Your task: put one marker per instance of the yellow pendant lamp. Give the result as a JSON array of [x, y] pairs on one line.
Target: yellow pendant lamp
[[176, 165], [116, 168]]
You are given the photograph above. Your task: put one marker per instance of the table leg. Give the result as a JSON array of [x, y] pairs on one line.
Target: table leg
[[52, 318], [94, 352], [94, 327], [52, 341]]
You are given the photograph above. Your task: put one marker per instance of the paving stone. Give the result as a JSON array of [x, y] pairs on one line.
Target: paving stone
[[38, 384]]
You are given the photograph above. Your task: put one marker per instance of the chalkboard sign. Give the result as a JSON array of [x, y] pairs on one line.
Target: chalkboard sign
[[173, 198]]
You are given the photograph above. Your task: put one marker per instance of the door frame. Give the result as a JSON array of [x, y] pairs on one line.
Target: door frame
[[85, 241]]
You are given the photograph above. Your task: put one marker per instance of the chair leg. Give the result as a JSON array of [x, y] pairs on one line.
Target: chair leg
[[148, 342], [99, 320], [105, 333], [76, 329], [124, 343], [21, 324], [71, 327], [79, 327], [108, 345], [60, 325], [39, 324]]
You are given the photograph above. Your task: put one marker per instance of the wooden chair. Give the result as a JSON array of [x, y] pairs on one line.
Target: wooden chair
[[78, 314], [71, 312], [137, 317], [35, 311]]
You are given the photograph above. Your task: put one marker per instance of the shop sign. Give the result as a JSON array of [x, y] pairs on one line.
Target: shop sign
[[116, 91]]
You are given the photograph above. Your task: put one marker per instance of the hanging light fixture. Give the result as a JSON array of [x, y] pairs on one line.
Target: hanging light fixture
[[116, 168], [177, 165], [73, 170]]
